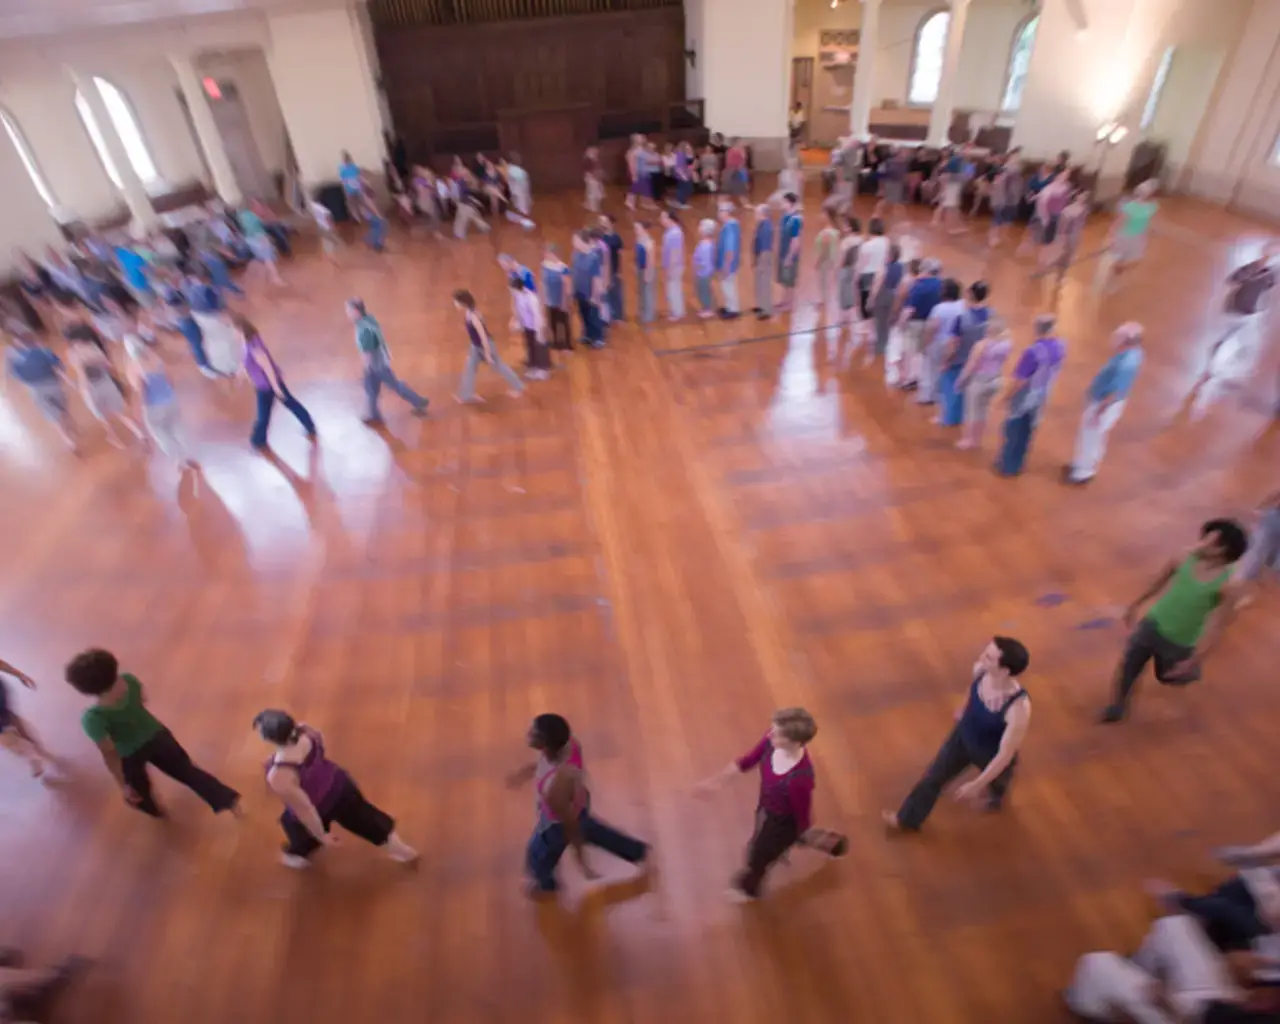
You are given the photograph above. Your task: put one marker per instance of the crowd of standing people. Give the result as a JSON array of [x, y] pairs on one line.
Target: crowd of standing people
[[939, 341]]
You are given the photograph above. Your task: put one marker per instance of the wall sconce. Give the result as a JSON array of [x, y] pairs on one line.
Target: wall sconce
[[1112, 133], [692, 57]]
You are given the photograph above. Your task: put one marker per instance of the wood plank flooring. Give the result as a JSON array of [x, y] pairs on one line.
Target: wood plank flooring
[[664, 542]]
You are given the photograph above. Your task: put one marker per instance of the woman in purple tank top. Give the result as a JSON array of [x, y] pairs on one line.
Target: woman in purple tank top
[[318, 793]]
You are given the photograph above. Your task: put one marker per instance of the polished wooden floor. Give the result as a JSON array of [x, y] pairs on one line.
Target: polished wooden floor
[[665, 542]]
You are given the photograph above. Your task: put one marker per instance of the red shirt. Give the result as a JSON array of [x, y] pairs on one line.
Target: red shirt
[[786, 796], [735, 159]]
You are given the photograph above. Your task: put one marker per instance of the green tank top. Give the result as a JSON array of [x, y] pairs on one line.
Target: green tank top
[[1186, 604]]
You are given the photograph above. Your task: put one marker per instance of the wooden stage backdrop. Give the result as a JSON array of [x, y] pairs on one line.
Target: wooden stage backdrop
[[542, 86]]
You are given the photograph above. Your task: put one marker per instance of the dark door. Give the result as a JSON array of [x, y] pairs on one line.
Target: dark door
[[550, 143]]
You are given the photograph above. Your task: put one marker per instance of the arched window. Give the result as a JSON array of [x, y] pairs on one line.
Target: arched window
[[1024, 41], [127, 128], [28, 158], [1157, 87], [927, 58]]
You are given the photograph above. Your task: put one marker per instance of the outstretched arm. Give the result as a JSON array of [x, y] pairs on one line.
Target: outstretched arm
[[18, 674]]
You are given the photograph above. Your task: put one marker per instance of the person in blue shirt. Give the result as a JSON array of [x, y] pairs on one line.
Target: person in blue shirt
[[133, 268], [965, 331], [585, 273], [925, 293], [762, 262], [555, 298], [511, 267], [613, 243], [646, 271], [352, 180], [728, 259], [173, 292], [1106, 400], [37, 367], [789, 247]]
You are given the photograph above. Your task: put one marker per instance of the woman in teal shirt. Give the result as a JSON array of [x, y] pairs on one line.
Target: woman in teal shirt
[[1128, 240]]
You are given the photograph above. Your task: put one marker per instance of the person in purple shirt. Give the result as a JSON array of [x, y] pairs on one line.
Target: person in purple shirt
[[318, 794], [704, 267], [673, 263], [264, 375], [1033, 378], [728, 259], [684, 175]]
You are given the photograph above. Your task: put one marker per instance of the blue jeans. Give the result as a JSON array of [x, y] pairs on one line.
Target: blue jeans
[[702, 288], [266, 402], [950, 397], [377, 238], [684, 189], [1018, 431], [221, 279], [547, 846], [374, 379], [195, 339], [615, 300]]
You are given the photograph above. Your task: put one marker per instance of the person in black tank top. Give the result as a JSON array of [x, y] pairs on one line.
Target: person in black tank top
[[990, 727]]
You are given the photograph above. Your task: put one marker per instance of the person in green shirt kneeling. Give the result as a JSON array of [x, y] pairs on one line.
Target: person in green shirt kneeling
[[1194, 600], [131, 738]]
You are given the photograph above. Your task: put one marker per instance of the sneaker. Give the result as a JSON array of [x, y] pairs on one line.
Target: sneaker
[[292, 860], [372, 421], [421, 410], [1113, 713], [736, 895]]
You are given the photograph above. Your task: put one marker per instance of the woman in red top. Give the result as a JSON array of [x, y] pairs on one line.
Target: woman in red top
[[784, 815]]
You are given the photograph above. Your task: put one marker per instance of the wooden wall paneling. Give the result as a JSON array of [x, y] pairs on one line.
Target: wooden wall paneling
[[470, 74]]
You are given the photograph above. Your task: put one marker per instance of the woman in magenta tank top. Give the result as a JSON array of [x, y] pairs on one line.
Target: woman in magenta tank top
[[318, 793], [563, 805]]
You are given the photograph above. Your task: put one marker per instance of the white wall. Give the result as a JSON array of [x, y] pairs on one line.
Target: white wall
[[747, 74], [26, 224], [694, 33], [248, 71], [326, 90], [1231, 159]]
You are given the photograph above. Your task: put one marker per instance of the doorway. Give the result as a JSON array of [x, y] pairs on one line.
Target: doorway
[[802, 93], [232, 120]]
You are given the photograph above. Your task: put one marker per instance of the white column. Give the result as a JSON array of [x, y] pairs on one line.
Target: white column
[[215, 153], [864, 73], [944, 105], [746, 78], [131, 187]]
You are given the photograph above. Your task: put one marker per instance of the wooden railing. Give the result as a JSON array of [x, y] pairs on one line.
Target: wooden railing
[[399, 13]]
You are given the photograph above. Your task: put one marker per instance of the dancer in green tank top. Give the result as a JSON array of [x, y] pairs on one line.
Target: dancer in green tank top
[[1194, 599]]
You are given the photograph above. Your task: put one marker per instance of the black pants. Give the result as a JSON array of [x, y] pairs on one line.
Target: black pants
[[352, 811], [954, 757], [537, 355], [592, 327], [1147, 644], [773, 837], [166, 753], [1230, 1013], [865, 281], [561, 333], [1229, 915]]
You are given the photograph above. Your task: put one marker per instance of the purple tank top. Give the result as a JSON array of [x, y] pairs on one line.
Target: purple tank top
[[320, 778], [253, 367]]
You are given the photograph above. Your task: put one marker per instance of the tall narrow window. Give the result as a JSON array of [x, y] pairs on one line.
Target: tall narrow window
[[927, 58], [1024, 41], [28, 159], [126, 127], [1157, 87]]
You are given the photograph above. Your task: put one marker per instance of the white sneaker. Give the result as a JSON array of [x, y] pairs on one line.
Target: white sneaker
[[407, 855], [292, 860]]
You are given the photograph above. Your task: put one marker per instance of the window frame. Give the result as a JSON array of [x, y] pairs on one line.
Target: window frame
[[84, 108], [27, 157], [915, 55], [1158, 81], [1031, 19]]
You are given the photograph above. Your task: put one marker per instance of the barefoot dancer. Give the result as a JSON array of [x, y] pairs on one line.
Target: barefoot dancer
[[130, 738], [482, 351], [784, 810], [990, 728], [317, 793], [15, 733], [564, 809], [1194, 602]]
